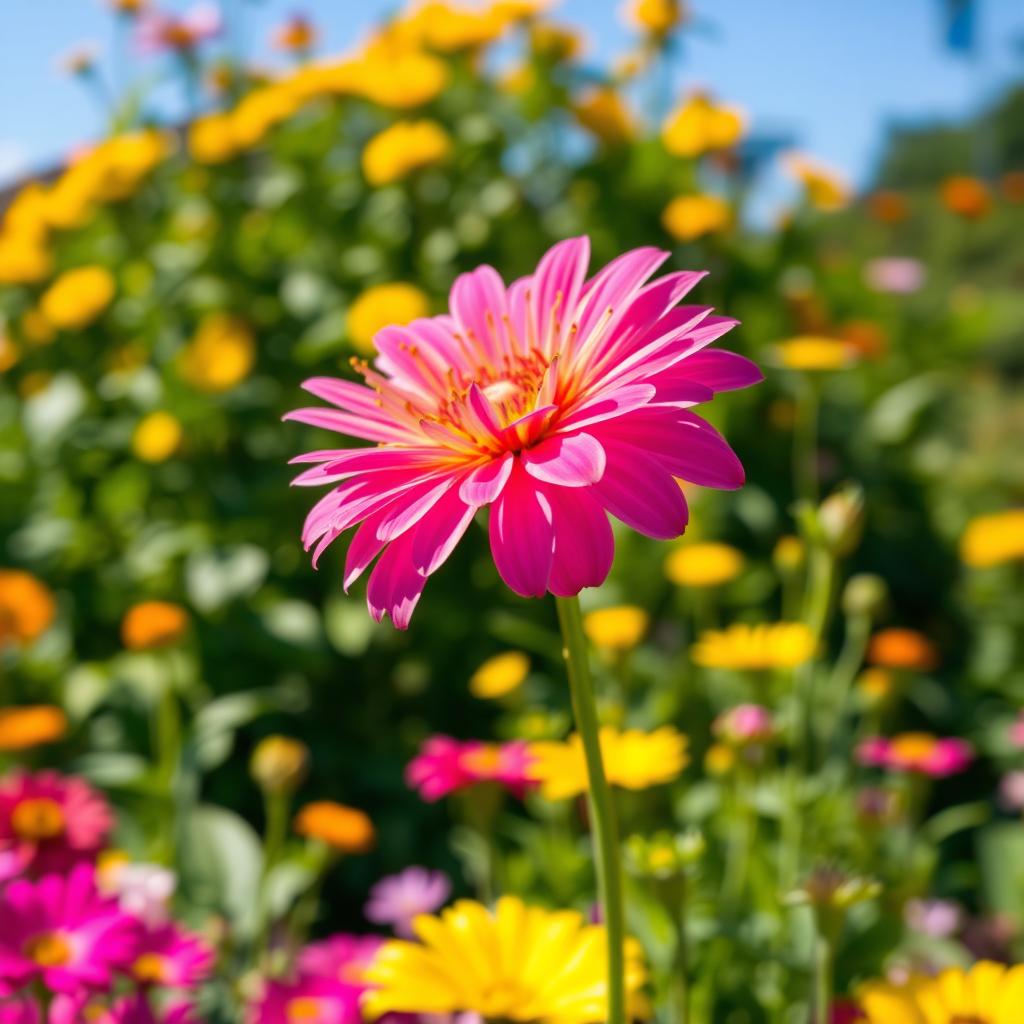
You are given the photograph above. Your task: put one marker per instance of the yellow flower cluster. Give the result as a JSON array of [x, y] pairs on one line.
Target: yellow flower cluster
[[766, 646], [220, 355], [632, 759], [402, 148], [515, 962], [604, 113], [692, 216], [700, 126]]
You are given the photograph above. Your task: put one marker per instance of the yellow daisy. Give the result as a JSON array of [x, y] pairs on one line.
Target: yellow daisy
[[515, 963], [632, 759], [768, 645], [619, 628], [703, 565], [500, 675], [993, 539], [988, 993]]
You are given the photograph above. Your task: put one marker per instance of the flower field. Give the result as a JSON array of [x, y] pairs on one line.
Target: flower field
[[657, 648]]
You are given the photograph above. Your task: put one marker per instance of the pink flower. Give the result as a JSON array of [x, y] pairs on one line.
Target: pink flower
[[554, 401], [134, 1009], [898, 275], [917, 752], [170, 957], [157, 31], [61, 932], [397, 899], [143, 890], [1011, 791], [938, 919], [446, 765], [49, 822], [744, 724], [318, 1000], [340, 958], [1017, 731]]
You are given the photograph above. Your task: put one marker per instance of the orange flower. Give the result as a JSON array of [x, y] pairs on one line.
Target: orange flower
[[867, 338], [966, 197], [902, 649], [153, 624], [344, 828], [22, 728], [296, 35], [26, 607], [888, 206]]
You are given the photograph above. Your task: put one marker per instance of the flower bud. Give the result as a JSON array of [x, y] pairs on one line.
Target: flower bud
[[841, 519], [865, 594], [279, 764], [664, 855], [788, 555]]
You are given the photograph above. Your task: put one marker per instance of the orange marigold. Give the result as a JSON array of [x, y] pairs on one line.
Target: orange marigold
[[966, 197], [26, 607], [903, 649], [344, 828], [153, 624], [22, 728]]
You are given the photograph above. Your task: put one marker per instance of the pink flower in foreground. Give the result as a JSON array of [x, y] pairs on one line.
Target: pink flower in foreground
[[445, 765], [170, 957], [318, 1000], [917, 752], [397, 899], [49, 822], [62, 933], [555, 401]]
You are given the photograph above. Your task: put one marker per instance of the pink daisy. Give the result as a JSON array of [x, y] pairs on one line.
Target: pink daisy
[[555, 401], [743, 724], [340, 958], [170, 957], [397, 899], [61, 932], [917, 752], [49, 822], [445, 765], [157, 31], [312, 1000]]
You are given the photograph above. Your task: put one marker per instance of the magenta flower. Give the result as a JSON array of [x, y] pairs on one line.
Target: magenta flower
[[554, 401], [318, 1000], [917, 752], [61, 932], [744, 724], [49, 822], [170, 957], [445, 765], [340, 958], [397, 899]]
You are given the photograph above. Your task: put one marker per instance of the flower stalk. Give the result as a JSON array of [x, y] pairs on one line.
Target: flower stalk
[[604, 828]]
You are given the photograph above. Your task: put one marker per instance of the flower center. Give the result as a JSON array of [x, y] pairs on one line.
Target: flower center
[[302, 1008], [150, 968], [912, 748], [485, 762], [969, 1019], [37, 819], [49, 949]]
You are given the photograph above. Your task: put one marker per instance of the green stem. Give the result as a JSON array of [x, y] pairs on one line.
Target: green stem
[[604, 830], [805, 445], [823, 980], [858, 632]]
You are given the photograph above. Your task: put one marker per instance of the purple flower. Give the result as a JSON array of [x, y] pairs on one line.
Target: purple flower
[[898, 275], [938, 919], [397, 899]]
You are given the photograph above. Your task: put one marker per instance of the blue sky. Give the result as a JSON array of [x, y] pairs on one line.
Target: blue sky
[[832, 73]]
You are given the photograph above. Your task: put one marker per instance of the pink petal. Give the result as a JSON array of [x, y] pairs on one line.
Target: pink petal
[[615, 285], [361, 425], [395, 584], [364, 547], [407, 510], [480, 308], [556, 289], [567, 461], [484, 484], [522, 536], [584, 545], [439, 531], [637, 490], [721, 370]]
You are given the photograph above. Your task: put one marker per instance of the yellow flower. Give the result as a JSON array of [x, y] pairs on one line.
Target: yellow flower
[[77, 297], [22, 728], [394, 77], [220, 355], [902, 649], [260, 111], [993, 539], [656, 16], [689, 217], [700, 125], [36, 328], [449, 29], [704, 565], [553, 42], [515, 962], [152, 624], [9, 353], [603, 112], [384, 305], [157, 437], [27, 607], [812, 353], [342, 828], [211, 139], [500, 675], [788, 554], [987, 993], [719, 759], [632, 760], [403, 148], [619, 628], [765, 646], [824, 188], [24, 259]]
